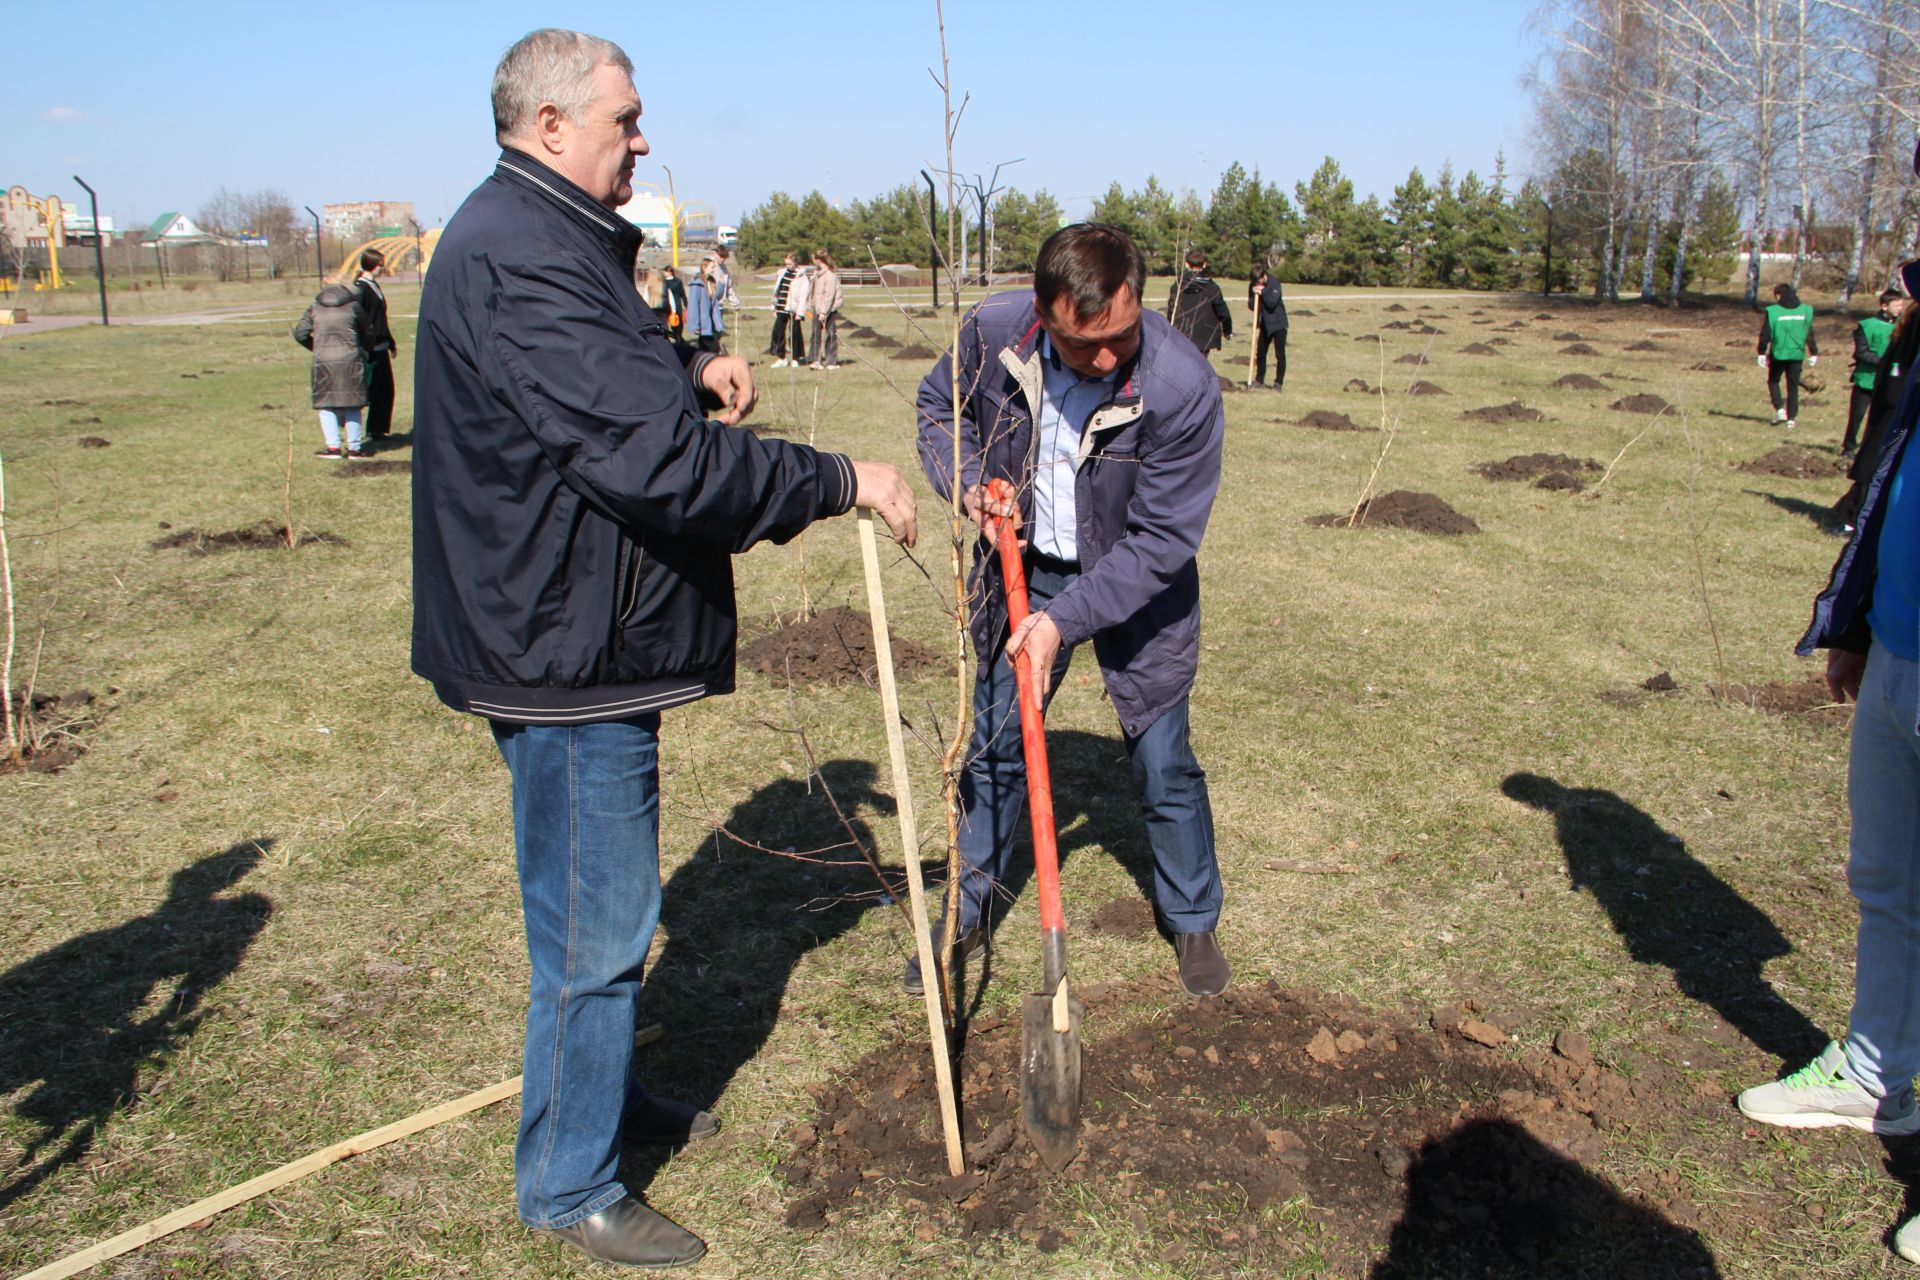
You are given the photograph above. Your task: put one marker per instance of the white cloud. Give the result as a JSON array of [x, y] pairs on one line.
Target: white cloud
[[63, 115]]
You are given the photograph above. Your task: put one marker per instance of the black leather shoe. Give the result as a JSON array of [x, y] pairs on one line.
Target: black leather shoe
[[1203, 966], [629, 1234], [964, 948], [662, 1122]]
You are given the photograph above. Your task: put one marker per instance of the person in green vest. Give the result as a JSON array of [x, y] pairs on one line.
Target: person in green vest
[[1870, 341], [1786, 342]]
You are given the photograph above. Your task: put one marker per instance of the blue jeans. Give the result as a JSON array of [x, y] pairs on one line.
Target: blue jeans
[[1883, 870], [586, 832], [1170, 784]]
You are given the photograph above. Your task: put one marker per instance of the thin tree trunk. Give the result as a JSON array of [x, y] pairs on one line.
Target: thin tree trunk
[[1870, 166], [1803, 215], [6, 656]]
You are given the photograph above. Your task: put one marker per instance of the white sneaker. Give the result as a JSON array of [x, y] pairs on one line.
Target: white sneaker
[[1906, 1241], [1820, 1096], [1779, 415], [1791, 424]]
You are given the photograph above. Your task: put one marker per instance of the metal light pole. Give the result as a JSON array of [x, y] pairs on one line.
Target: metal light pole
[[673, 216], [933, 234], [319, 264], [985, 191], [99, 254]]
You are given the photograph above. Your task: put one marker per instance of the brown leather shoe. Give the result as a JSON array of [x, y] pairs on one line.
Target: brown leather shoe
[[629, 1234], [1203, 966], [662, 1122]]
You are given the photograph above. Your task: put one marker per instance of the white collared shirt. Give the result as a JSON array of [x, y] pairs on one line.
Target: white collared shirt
[[1067, 400]]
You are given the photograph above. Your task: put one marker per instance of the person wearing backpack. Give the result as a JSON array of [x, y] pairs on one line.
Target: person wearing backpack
[[1786, 342]]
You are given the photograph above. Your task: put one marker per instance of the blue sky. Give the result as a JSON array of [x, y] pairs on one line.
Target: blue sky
[[351, 101]]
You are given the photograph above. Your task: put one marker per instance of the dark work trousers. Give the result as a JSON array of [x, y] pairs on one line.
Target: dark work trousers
[[1857, 406], [1169, 782], [1789, 369], [1278, 341], [707, 342], [777, 345], [826, 339], [380, 395], [796, 334]]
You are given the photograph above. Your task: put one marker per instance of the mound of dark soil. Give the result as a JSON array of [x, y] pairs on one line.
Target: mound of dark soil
[[91, 420], [1568, 335], [884, 342], [1561, 482], [1358, 384], [63, 403], [1534, 466], [263, 535], [1229, 386], [1478, 349], [1412, 357], [1416, 1145], [1425, 329], [1660, 683], [1299, 311], [95, 442], [49, 730], [1580, 382], [1707, 366], [379, 467], [1326, 420], [1808, 698], [834, 646], [1427, 389], [1643, 402], [1578, 349], [1499, 342], [1336, 333], [916, 352], [1645, 345], [1130, 917], [1368, 337], [1512, 411], [1398, 324], [1395, 307], [1801, 464], [1545, 315], [1402, 509]]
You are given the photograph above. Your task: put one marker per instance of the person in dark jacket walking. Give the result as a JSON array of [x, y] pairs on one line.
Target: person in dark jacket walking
[[335, 329], [1870, 339], [1109, 425], [1786, 342], [1903, 349], [1196, 308], [1868, 621], [373, 301], [575, 518], [1269, 305]]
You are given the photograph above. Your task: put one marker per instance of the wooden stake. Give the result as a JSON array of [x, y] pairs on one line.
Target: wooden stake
[[254, 1188], [1253, 339], [910, 843]]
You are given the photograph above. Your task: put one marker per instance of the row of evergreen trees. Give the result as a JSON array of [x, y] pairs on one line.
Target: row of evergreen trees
[[1465, 233]]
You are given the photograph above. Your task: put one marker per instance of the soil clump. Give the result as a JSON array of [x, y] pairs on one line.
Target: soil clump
[[1402, 509], [1395, 307], [1129, 917], [1644, 402], [1645, 345], [1478, 349], [95, 442], [1568, 335], [1580, 382], [1707, 366], [884, 342], [1358, 384], [1512, 411], [1809, 699], [262, 535], [1555, 471], [834, 646], [1262, 1097], [1427, 389], [1659, 683], [1327, 420], [1578, 349], [49, 730], [1412, 357], [916, 352], [1799, 464]]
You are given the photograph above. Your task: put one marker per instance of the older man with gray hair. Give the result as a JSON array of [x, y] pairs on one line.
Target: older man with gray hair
[[575, 516]]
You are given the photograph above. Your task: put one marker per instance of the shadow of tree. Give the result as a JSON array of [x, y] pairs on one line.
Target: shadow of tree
[[1672, 911], [79, 1021], [1490, 1200]]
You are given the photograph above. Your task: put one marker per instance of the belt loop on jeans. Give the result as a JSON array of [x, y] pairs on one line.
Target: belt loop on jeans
[[1040, 560]]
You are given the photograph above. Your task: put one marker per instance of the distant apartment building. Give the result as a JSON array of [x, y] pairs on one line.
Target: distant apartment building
[[364, 219]]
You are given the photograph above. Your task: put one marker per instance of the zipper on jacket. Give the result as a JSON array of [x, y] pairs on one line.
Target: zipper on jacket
[[628, 598]]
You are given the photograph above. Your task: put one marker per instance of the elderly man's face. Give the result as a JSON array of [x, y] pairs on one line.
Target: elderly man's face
[[598, 150], [1096, 346]]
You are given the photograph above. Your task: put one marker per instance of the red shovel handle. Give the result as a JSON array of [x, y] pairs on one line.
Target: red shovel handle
[[1033, 729]]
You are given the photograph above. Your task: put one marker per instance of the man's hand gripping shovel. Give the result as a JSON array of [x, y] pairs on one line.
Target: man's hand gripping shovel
[[1050, 1021]]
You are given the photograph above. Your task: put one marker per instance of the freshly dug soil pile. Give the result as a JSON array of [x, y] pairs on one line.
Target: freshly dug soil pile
[[883, 341], [263, 535], [1229, 386], [1801, 464], [1396, 307], [1368, 337], [1336, 333], [1426, 329], [1402, 509], [92, 419], [1645, 345], [54, 722], [1416, 1139], [1478, 349], [1412, 357], [1578, 349], [1124, 918], [1499, 342], [1707, 366], [916, 352], [1326, 420], [1580, 382], [1660, 683], [95, 442], [834, 646], [382, 467], [1534, 466], [1545, 315], [1398, 324], [1358, 384], [1643, 402], [1512, 411], [1427, 389], [1568, 335], [1561, 481], [1808, 698], [1300, 311]]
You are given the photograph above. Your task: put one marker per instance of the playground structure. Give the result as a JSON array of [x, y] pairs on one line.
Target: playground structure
[[663, 218], [403, 253], [20, 214]]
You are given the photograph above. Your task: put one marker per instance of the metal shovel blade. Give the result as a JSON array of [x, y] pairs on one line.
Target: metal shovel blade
[[1050, 1078]]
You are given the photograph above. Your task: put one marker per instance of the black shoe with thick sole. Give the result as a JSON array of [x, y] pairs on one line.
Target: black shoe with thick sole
[[662, 1122], [965, 946], [629, 1234], [1203, 966]]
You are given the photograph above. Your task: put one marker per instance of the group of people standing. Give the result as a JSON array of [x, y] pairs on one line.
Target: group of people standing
[[1199, 310], [802, 292], [352, 345], [695, 309]]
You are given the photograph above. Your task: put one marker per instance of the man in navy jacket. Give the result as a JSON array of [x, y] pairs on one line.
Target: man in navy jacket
[[1108, 424], [575, 515]]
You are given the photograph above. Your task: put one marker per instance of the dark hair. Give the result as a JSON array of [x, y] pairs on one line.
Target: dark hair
[[371, 259], [1196, 259], [1088, 262], [1888, 295], [1788, 296]]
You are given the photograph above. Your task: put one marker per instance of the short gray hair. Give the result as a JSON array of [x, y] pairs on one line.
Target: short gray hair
[[549, 65]]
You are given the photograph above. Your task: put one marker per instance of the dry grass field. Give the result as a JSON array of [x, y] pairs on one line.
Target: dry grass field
[[272, 904]]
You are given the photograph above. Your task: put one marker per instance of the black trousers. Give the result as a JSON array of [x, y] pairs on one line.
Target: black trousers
[[1789, 369], [380, 394], [777, 344], [1857, 407], [1278, 341]]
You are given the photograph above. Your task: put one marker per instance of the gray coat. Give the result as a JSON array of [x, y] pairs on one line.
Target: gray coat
[[335, 329]]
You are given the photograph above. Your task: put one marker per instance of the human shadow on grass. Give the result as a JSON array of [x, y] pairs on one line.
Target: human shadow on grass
[[1822, 515], [388, 443], [738, 920], [1765, 418], [1673, 911], [80, 1021], [1489, 1199]]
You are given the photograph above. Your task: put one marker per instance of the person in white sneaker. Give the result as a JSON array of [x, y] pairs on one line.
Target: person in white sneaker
[[1868, 620]]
